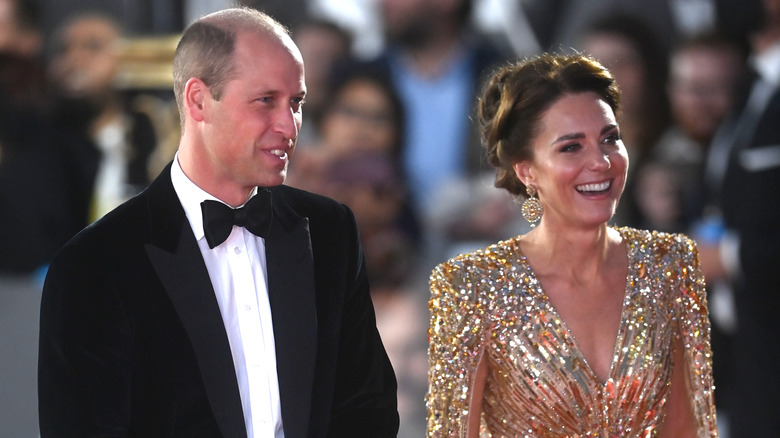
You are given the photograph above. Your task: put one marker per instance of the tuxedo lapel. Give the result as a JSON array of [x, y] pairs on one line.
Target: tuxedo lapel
[[175, 256], [293, 306]]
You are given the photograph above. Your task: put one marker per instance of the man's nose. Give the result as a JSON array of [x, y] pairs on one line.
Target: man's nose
[[288, 122]]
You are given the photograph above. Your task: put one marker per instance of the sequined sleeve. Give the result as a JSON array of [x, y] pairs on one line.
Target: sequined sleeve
[[455, 336], [695, 331]]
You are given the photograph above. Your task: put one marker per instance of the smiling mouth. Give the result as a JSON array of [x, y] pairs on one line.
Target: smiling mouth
[[594, 189], [279, 153]]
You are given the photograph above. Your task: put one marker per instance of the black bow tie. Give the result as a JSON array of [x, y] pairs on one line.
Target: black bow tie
[[219, 218]]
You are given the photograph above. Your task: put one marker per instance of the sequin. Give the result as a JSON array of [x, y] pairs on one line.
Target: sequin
[[539, 385]]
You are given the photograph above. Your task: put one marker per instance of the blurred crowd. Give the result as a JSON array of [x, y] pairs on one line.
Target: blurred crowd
[[87, 119]]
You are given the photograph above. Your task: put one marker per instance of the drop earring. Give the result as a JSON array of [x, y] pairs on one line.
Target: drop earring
[[532, 208]]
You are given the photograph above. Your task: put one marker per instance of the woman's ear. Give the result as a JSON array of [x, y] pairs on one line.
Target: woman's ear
[[523, 172]]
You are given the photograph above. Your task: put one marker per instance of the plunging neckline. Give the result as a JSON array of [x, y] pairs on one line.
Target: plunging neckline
[[619, 335]]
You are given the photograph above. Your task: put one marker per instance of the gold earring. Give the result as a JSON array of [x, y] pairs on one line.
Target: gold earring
[[532, 208]]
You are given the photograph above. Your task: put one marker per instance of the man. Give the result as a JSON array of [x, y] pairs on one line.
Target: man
[[704, 73], [743, 172], [151, 326], [436, 61]]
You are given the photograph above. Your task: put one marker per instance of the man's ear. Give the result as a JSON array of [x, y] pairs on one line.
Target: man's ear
[[195, 94], [524, 172]]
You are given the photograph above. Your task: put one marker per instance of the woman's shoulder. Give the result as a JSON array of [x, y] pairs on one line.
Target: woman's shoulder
[[672, 253], [475, 276], [657, 241], [480, 260]]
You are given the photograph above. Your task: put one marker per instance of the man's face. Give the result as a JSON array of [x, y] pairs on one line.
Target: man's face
[[407, 21], [701, 89], [249, 134]]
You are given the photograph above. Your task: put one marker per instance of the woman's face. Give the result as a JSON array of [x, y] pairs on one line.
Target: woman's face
[[579, 162], [361, 119]]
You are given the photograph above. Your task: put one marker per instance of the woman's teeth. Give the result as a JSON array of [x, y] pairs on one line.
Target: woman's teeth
[[600, 187]]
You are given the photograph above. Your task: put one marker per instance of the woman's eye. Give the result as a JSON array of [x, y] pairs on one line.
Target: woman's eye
[[612, 139], [570, 147]]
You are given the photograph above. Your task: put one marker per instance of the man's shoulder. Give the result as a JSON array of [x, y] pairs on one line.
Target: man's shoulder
[[119, 225], [307, 203]]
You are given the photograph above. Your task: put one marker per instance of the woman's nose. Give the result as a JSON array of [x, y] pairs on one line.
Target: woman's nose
[[599, 159]]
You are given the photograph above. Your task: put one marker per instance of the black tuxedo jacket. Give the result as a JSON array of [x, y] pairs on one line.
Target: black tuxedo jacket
[[132, 342]]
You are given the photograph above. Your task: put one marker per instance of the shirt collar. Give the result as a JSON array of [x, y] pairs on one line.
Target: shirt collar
[[767, 64], [191, 196]]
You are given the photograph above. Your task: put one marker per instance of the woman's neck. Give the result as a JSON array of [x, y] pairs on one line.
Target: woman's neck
[[580, 254]]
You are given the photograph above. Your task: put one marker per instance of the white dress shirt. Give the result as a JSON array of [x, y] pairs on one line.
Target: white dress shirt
[[111, 187], [237, 268]]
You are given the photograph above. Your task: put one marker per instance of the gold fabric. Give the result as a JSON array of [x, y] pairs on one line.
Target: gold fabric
[[539, 384]]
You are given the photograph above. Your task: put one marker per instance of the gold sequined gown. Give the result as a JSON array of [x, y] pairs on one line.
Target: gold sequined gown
[[539, 384]]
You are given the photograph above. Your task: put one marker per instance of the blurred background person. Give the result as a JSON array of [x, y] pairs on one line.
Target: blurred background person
[[21, 45], [32, 210], [436, 60], [32, 206], [559, 23], [111, 142], [704, 72], [361, 112], [362, 122], [743, 173]]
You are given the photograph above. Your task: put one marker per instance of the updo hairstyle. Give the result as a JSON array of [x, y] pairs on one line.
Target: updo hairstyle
[[516, 97]]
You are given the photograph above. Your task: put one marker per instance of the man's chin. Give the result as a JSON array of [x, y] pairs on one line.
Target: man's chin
[[273, 181]]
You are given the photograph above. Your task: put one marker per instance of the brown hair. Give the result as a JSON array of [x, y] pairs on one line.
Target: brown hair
[[516, 97], [206, 48]]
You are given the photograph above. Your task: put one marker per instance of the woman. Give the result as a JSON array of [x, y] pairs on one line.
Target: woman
[[576, 328]]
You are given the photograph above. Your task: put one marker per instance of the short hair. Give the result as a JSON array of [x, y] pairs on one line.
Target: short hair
[[516, 97], [207, 46]]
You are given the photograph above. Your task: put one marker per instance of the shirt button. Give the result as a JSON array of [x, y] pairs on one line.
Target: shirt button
[[247, 307], [237, 250]]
